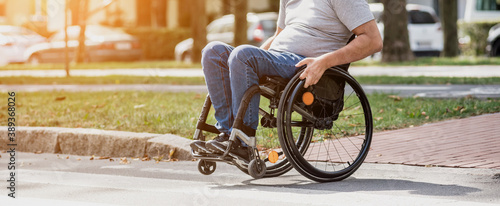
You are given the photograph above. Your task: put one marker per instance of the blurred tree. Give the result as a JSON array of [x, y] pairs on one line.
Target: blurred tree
[[449, 18], [160, 7], [83, 11], [274, 6], [240, 22], [198, 28], [74, 7], [396, 39], [143, 10], [226, 7]]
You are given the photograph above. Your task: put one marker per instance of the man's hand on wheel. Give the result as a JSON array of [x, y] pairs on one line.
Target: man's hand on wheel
[[314, 70]]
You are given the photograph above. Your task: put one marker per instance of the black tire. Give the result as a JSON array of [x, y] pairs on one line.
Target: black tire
[[206, 167], [257, 168], [345, 143], [34, 59], [495, 48]]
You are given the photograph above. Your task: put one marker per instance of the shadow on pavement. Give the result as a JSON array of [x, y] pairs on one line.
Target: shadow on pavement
[[361, 185]]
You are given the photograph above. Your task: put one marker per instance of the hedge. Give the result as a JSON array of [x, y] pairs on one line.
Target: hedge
[[159, 44], [478, 33]]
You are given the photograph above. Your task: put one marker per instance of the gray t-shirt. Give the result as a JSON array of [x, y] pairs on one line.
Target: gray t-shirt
[[312, 28]]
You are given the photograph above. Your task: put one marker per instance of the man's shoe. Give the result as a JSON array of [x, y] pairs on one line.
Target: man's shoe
[[219, 144], [199, 146]]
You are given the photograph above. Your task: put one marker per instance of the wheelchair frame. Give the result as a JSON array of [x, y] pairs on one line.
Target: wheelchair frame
[[271, 88]]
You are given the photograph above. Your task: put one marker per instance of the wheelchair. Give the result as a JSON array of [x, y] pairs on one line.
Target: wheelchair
[[324, 131]]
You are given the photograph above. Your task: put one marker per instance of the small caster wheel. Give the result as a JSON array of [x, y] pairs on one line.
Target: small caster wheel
[[206, 167], [257, 168]]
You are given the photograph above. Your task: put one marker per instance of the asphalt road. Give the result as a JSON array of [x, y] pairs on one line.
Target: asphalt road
[[50, 179]]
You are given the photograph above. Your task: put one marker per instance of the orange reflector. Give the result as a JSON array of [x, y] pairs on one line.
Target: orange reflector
[[273, 156], [308, 98]]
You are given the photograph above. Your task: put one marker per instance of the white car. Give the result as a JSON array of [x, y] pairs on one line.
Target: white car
[[14, 41], [424, 28], [260, 27]]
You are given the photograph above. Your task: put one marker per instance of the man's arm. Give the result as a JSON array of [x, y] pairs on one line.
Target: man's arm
[[367, 42], [269, 41]]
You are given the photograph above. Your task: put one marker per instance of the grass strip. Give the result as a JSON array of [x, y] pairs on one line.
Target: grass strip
[[201, 81], [177, 113], [422, 61], [436, 61]]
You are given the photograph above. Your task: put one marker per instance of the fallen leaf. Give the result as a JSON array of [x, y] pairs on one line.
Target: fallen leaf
[[379, 155], [78, 159], [381, 111], [197, 96], [111, 160], [463, 110], [399, 109], [458, 108], [38, 152], [427, 117], [423, 113], [92, 158], [146, 159], [67, 157], [60, 98], [171, 153], [395, 97], [379, 118], [104, 158], [124, 161]]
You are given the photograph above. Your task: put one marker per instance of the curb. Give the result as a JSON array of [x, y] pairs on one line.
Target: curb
[[87, 142]]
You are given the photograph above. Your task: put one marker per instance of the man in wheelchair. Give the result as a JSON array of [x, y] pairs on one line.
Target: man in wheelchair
[[309, 33]]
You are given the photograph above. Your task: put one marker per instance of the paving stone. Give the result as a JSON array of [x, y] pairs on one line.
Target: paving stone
[[162, 145], [32, 139], [103, 143]]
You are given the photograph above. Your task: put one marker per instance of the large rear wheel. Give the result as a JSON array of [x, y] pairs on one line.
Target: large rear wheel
[[337, 121]]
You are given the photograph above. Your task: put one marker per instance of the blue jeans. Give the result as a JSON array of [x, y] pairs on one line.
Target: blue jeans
[[230, 71]]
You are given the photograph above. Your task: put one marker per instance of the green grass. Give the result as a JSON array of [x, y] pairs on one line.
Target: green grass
[[177, 113], [423, 61], [436, 61], [102, 65], [201, 80]]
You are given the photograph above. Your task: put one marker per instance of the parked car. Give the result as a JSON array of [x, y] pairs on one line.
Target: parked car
[[493, 47], [260, 27], [424, 28], [13, 42], [102, 44]]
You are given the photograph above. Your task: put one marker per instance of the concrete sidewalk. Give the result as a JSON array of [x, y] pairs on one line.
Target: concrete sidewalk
[[468, 143], [434, 71]]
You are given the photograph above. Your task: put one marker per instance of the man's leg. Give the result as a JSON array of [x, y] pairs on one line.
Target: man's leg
[[215, 67], [247, 64]]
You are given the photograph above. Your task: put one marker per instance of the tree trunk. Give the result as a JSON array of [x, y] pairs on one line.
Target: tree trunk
[[449, 18], [226, 7], [80, 54], [198, 28], [161, 13], [240, 22], [396, 39], [143, 13], [74, 7]]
